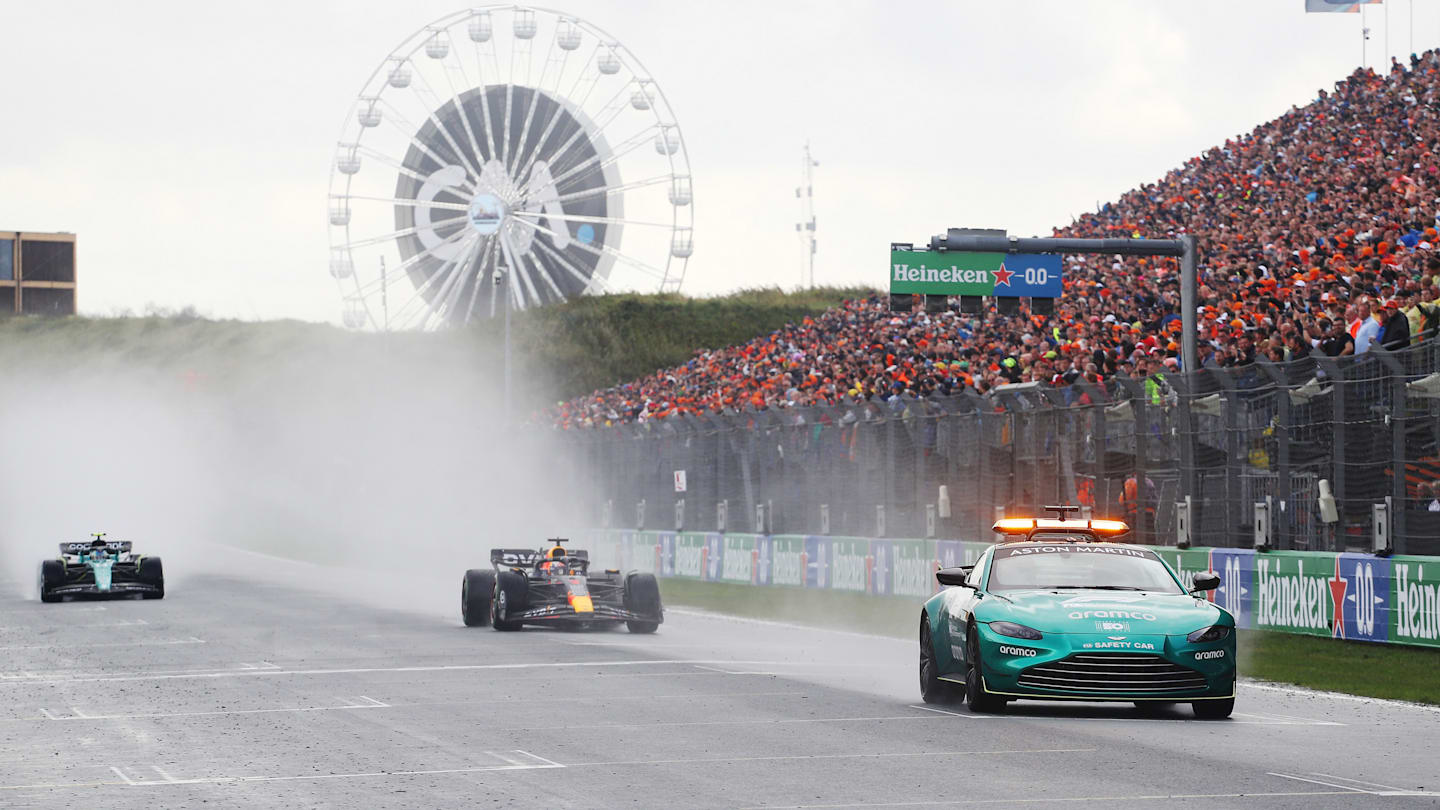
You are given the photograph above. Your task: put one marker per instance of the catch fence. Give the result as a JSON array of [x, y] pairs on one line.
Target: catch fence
[[945, 466]]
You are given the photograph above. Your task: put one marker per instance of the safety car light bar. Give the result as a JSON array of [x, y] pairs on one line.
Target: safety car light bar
[[1027, 525]]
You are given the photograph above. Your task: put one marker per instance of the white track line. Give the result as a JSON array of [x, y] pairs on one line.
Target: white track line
[[1292, 776], [525, 762], [1158, 797], [168, 643], [791, 757], [78, 715], [30, 678], [1316, 693]]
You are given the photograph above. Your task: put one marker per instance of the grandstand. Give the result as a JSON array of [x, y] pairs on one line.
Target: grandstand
[[1317, 234]]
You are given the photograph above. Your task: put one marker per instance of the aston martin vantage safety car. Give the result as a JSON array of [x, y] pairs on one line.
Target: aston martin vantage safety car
[[556, 586], [101, 567], [1059, 611]]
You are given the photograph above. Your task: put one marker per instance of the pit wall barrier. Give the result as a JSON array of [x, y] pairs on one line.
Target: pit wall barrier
[[1392, 600]]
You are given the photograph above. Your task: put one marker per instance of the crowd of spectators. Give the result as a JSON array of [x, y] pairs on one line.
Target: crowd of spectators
[[1317, 235]]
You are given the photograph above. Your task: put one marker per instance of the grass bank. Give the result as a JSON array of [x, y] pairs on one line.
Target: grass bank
[[1357, 668]]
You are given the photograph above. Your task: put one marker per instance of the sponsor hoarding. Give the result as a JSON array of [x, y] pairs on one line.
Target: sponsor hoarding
[[1350, 596]]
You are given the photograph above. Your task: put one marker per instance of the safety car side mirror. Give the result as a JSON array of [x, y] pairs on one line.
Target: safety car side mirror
[[952, 576], [1204, 581]]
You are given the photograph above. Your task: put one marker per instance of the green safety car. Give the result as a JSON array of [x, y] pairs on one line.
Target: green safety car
[[1058, 611]]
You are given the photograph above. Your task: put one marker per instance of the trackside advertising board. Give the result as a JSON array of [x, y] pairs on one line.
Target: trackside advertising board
[[1016, 275], [1360, 597]]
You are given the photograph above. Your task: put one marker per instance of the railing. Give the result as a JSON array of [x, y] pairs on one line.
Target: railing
[[945, 466]]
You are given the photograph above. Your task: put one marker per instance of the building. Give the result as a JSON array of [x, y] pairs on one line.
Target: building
[[37, 273]]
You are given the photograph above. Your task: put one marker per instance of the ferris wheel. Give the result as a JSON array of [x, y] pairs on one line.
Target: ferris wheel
[[493, 161]]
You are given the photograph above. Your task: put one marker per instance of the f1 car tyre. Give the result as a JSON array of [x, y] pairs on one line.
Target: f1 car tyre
[[932, 689], [1213, 709], [980, 701], [52, 573], [642, 595], [510, 592], [475, 594], [152, 572]]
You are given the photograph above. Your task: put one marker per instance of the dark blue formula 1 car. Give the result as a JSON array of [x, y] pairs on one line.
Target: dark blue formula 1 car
[[556, 586]]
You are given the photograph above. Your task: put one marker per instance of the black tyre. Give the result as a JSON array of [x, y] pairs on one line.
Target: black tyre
[[642, 595], [510, 592], [475, 593], [152, 572], [52, 573], [980, 701], [1213, 709], [932, 689]]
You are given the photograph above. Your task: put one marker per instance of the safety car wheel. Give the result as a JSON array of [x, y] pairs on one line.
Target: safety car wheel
[[475, 593], [1213, 709], [932, 689], [980, 701], [642, 595], [52, 573], [152, 572], [510, 592]]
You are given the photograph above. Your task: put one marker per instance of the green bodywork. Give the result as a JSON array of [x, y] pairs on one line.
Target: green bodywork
[[1099, 625]]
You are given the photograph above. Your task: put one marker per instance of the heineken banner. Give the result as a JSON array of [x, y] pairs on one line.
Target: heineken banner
[[1016, 275], [1357, 597]]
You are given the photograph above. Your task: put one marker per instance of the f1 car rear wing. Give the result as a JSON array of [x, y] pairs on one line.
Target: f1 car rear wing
[[528, 558], [112, 546], [516, 557]]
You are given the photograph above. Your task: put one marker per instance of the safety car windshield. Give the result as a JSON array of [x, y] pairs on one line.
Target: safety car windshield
[[1079, 565]]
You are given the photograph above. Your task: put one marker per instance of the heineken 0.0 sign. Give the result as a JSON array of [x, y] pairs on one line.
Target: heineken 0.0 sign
[[1015, 275]]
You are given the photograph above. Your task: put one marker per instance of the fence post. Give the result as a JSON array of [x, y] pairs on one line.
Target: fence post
[[1135, 392], [1337, 445], [1398, 402], [1282, 452]]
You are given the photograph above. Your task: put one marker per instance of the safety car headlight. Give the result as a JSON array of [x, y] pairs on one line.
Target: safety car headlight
[[1206, 635], [1014, 630]]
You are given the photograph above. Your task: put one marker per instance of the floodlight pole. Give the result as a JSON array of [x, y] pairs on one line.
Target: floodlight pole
[[1183, 248]]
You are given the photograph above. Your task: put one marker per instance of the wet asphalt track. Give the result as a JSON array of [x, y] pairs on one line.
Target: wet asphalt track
[[235, 693]]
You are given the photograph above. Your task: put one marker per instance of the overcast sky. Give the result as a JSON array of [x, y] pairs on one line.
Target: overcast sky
[[189, 144]]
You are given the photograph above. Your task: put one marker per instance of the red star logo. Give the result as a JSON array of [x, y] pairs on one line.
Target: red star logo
[[1002, 276], [1337, 597]]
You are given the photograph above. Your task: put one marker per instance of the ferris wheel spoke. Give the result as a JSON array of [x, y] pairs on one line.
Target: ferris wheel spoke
[[542, 272], [460, 111], [525, 133], [411, 231], [515, 270], [485, 101], [401, 168], [534, 153], [401, 124], [403, 201], [606, 250], [450, 293], [445, 270], [595, 160], [399, 271], [600, 190], [434, 118], [528, 215], [560, 152], [595, 279]]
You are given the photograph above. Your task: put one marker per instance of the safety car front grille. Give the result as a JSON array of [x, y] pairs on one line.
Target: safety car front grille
[[1127, 673]]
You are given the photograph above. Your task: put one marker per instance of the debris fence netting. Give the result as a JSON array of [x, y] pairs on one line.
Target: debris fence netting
[[1366, 427]]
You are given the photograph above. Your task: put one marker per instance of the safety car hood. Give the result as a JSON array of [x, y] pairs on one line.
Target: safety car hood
[[1086, 611]]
